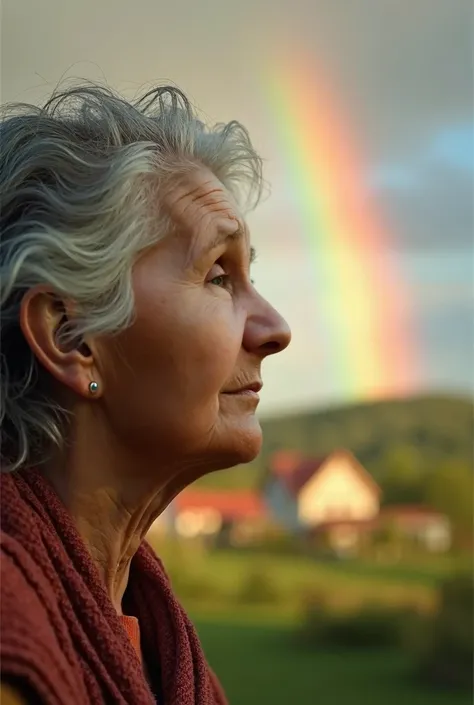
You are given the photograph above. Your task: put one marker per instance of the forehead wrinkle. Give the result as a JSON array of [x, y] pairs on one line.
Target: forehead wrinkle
[[200, 191], [197, 248], [205, 201], [186, 193], [175, 206], [206, 192], [208, 207], [195, 211], [210, 204]]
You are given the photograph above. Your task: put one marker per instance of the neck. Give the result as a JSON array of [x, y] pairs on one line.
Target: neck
[[112, 499], [113, 528], [112, 522]]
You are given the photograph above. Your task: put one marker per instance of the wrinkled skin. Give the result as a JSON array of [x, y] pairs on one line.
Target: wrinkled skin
[[165, 412]]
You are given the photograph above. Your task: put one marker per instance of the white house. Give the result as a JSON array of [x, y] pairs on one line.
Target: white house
[[336, 497], [304, 493]]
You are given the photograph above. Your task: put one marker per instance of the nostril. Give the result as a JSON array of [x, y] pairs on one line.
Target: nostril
[[271, 347]]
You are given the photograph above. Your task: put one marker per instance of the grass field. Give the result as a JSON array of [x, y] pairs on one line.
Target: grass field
[[252, 644], [228, 566], [261, 664], [290, 576]]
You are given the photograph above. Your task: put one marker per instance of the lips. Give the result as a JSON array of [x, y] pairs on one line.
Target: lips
[[252, 388]]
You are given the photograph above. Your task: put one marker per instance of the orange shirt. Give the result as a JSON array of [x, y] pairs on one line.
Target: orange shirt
[[133, 630]]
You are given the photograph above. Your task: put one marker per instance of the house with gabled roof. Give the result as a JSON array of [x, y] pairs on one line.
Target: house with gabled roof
[[304, 493]]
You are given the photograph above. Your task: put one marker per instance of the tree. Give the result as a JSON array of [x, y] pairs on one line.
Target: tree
[[450, 490], [404, 477]]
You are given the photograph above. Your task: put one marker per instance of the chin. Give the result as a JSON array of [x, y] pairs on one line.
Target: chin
[[244, 442]]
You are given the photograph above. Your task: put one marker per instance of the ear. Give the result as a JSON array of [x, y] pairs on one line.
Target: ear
[[43, 318]]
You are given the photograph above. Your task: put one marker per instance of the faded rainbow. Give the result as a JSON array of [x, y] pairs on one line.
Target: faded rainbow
[[362, 300]]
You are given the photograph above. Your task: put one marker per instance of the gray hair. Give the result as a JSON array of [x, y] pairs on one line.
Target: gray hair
[[76, 180]]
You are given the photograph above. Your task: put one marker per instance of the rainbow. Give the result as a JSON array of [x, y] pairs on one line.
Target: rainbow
[[362, 300]]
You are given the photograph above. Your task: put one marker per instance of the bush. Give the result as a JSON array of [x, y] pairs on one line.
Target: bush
[[443, 646], [282, 544], [368, 628], [258, 588], [195, 588]]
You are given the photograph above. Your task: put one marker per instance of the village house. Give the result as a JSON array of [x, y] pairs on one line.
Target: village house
[[335, 499], [308, 492], [332, 498], [232, 516]]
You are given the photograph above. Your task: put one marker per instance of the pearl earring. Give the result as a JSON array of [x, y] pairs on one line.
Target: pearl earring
[[93, 387]]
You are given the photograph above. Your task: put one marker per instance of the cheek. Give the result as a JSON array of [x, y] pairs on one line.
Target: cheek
[[183, 347], [204, 349]]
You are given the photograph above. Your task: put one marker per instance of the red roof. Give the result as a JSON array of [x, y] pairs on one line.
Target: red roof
[[231, 504], [303, 473], [284, 462], [293, 469]]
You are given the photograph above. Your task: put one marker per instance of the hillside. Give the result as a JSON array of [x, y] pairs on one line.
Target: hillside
[[434, 428]]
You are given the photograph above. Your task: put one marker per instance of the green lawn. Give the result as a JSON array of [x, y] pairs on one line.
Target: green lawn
[[261, 664], [251, 643], [291, 576]]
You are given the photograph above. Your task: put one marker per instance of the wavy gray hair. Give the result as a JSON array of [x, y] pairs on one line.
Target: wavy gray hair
[[80, 181]]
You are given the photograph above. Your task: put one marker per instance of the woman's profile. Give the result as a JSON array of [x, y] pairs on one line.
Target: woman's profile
[[131, 365]]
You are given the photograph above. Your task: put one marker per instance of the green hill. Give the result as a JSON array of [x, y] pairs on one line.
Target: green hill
[[434, 429]]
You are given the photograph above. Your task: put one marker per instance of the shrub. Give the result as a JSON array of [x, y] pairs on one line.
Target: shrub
[[282, 544], [258, 588], [193, 587], [367, 628], [443, 646]]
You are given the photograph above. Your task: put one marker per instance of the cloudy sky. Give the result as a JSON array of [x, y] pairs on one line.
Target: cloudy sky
[[402, 72]]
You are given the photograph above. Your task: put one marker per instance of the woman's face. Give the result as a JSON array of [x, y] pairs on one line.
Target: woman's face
[[173, 381]]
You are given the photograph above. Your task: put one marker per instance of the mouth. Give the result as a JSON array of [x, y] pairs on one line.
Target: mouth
[[250, 390]]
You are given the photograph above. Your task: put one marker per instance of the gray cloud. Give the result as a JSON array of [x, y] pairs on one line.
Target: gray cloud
[[434, 213]]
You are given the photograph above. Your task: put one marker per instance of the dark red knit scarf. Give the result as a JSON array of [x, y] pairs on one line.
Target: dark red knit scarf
[[61, 637]]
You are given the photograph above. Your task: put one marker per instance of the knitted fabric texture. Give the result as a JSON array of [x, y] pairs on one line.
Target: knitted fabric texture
[[61, 637]]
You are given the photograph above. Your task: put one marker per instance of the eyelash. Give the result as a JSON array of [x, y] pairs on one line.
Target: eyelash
[[226, 278]]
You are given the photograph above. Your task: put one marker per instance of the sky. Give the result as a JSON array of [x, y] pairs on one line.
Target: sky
[[401, 73]]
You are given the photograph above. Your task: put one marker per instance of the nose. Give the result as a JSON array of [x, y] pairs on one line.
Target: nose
[[266, 331]]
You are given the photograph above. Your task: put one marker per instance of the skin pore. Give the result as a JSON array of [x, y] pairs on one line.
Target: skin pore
[[167, 409]]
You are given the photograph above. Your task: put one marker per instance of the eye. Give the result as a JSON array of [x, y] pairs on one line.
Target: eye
[[221, 280], [218, 277]]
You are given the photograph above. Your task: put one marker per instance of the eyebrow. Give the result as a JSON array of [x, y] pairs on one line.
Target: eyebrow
[[223, 237]]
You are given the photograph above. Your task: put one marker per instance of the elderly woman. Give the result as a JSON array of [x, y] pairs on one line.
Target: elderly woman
[[132, 345]]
